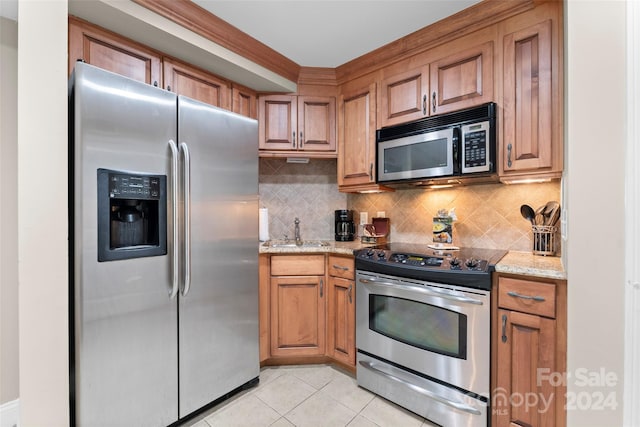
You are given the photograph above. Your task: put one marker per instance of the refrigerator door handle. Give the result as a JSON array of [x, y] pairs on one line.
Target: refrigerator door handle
[[184, 149], [174, 209]]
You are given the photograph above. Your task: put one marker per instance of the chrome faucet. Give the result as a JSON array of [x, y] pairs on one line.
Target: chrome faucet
[[297, 232]]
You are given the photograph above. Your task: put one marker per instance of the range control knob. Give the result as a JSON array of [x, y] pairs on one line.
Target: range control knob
[[454, 263], [471, 263], [381, 254], [369, 253]]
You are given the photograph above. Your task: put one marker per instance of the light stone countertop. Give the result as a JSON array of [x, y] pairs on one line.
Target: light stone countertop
[[528, 264], [333, 247], [514, 262]]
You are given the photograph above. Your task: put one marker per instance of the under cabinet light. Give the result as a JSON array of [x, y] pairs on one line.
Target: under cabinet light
[[300, 160]]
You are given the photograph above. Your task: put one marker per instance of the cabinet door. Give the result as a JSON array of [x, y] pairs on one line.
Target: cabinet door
[[316, 123], [189, 81], [112, 52], [403, 97], [341, 314], [357, 136], [527, 99], [297, 315], [277, 122], [524, 395], [462, 80], [244, 101]]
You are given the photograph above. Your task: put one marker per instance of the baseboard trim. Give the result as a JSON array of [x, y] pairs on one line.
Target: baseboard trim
[[10, 413]]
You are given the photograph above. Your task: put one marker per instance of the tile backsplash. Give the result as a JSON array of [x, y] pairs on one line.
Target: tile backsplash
[[306, 191], [488, 214]]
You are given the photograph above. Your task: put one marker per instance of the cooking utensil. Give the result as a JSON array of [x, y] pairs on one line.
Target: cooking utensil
[[528, 213], [550, 210]]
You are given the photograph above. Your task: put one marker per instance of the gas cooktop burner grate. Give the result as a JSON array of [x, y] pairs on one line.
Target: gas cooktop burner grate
[[468, 267]]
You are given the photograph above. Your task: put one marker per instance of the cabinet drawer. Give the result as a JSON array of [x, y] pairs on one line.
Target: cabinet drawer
[[527, 296], [297, 265], [340, 266]]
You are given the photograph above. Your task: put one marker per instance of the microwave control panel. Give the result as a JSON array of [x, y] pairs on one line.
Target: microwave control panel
[[475, 148]]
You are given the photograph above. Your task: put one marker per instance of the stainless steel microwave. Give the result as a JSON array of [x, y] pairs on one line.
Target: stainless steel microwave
[[462, 143]]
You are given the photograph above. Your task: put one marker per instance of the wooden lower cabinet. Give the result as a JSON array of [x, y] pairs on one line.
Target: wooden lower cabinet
[[341, 310], [297, 305], [529, 342], [307, 309], [297, 316]]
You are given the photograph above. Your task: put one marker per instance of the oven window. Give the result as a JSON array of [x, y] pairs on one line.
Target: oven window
[[411, 157], [421, 325]]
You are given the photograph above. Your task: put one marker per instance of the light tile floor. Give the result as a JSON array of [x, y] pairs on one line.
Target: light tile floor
[[301, 396]]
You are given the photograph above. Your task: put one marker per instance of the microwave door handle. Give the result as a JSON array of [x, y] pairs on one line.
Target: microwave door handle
[[423, 290], [457, 150]]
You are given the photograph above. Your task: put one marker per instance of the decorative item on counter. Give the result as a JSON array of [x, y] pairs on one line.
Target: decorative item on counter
[[543, 224], [443, 226], [377, 232]]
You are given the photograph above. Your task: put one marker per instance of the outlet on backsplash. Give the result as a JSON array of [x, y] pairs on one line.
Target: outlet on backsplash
[[364, 218]]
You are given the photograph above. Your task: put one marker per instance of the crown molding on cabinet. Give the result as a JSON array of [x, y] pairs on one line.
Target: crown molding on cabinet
[[204, 23], [467, 21]]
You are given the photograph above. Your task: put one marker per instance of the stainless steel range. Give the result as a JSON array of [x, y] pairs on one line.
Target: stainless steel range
[[423, 329]]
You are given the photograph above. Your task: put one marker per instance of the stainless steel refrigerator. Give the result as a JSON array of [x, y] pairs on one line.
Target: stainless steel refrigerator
[[163, 208]]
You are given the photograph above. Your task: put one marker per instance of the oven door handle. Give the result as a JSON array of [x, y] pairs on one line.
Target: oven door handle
[[427, 291], [457, 405]]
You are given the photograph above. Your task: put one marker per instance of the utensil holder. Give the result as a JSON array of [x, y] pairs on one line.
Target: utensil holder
[[544, 239]]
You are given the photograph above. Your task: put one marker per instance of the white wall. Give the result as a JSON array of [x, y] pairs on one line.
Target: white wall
[[42, 208], [8, 211], [595, 137]]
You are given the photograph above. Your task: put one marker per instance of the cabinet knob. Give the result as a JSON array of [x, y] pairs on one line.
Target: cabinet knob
[[155, 83]]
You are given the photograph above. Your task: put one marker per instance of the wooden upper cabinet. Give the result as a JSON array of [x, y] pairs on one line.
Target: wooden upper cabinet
[[317, 123], [527, 97], [403, 96], [244, 101], [277, 122], [454, 82], [357, 135], [112, 52], [291, 123], [462, 80], [531, 142], [184, 79]]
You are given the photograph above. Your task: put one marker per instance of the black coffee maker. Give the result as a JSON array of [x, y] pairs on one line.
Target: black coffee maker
[[345, 228]]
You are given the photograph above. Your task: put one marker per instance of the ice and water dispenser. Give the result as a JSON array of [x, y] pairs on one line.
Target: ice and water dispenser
[[132, 215]]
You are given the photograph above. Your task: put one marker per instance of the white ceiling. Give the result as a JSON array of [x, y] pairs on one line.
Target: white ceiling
[[329, 33]]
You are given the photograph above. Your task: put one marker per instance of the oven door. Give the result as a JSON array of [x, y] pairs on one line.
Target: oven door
[[425, 155], [440, 331]]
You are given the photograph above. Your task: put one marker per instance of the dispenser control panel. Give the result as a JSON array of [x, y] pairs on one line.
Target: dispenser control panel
[[134, 186]]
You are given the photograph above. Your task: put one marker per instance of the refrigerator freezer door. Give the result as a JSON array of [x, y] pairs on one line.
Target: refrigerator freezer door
[[124, 325], [218, 321]]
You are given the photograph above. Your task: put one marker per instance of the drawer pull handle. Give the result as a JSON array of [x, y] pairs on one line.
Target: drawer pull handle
[[517, 295], [504, 328], [339, 267]]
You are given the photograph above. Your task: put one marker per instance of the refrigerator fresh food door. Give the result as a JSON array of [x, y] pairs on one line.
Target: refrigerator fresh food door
[[124, 325], [218, 301]]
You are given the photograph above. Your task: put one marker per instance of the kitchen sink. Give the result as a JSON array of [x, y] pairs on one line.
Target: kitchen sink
[[292, 244]]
